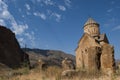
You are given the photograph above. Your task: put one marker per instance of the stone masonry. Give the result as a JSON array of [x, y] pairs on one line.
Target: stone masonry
[[94, 51]]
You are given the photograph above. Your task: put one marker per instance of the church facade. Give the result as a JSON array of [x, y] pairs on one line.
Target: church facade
[[94, 51]]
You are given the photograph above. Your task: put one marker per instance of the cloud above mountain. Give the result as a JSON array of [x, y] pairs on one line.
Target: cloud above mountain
[[42, 9], [7, 19]]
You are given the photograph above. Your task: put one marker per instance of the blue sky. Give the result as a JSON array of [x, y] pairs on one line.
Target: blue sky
[[58, 24]]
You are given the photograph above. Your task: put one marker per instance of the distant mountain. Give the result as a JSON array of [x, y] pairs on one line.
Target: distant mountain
[[53, 57]]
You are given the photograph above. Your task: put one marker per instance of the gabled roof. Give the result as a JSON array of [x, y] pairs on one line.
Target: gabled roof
[[103, 37], [83, 37], [91, 21]]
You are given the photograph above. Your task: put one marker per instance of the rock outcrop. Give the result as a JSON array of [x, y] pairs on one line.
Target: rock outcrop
[[10, 52]]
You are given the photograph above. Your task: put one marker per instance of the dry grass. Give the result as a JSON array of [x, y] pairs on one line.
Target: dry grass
[[51, 73], [54, 73]]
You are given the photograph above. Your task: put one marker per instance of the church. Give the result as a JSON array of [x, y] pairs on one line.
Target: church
[[94, 51]]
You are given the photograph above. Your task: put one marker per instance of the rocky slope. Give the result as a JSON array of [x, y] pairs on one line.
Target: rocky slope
[[10, 53], [52, 57]]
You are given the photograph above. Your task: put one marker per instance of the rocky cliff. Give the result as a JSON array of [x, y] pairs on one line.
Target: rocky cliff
[[10, 52]]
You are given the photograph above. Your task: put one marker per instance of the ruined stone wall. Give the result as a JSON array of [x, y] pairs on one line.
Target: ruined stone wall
[[94, 58], [107, 58]]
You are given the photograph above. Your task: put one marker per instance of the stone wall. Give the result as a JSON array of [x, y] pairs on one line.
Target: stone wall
[[107, 58], [94, 58]]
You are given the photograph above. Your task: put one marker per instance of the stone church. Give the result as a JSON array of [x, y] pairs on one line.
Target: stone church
[[94, 51]]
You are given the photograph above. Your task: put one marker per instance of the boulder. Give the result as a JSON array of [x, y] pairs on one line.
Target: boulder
[[10, 51], [68, 64], [42, 65]]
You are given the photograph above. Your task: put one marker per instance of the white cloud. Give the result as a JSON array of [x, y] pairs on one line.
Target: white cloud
[[21, 41], [57, 16], [52, 13], [48, 2], [27, 6], [109, 10], [2, 22], [31, 37], [45, 2], [41, 15], [19, 29], [67, 3], [62, 8], [110, 22], [117, 28], [28, 38], [6, 16], [28, 13], [35, 13]]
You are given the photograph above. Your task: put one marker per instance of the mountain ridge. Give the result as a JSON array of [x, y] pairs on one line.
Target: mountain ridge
[[53, 57]]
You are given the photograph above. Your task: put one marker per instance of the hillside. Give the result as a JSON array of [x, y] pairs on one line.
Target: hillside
[[52, 57]]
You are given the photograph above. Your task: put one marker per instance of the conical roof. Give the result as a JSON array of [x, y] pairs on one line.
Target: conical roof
[[90, 21]]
